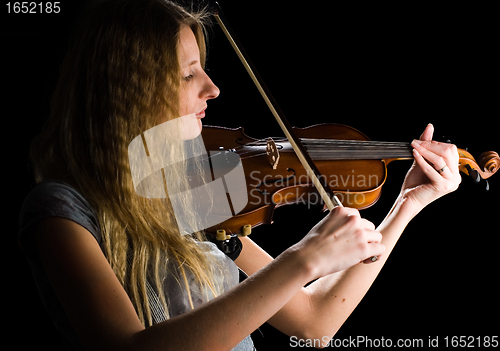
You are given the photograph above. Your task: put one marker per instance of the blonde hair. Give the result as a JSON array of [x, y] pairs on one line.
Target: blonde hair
[[121, 77]]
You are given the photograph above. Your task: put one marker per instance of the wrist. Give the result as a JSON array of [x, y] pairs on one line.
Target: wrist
[[397, 219], [406, 206], [300, 262]]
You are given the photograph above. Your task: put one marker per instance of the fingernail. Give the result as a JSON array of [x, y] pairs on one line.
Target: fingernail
[[416, 152], [415, 141]]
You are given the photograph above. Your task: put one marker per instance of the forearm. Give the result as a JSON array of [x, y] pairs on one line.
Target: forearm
[[104, 318], [334, 297], [223, 322]]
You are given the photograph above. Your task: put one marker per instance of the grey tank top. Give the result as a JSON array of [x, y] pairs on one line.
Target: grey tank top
[[55, 199]]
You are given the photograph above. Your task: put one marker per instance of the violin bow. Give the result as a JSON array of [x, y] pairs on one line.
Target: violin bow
[[327, 195]]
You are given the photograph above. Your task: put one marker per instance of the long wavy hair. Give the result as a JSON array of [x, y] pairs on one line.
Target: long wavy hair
[[120, 77]]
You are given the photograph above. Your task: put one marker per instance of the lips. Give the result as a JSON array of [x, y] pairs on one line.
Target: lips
[[201, 114]]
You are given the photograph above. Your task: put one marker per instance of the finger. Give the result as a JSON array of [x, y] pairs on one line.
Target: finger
[[337, 217], [376, 250], [428, 133], [373, 236], [429, 170], [437, 147], [439, 154], [367, 224], [344, 211], [352, 212], [371, 260], [430, 153], [448, 152]]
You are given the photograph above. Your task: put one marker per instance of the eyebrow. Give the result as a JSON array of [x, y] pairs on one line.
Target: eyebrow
[[191, 63]]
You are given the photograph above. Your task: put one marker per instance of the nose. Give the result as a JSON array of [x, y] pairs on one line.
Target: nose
[[210, 90]]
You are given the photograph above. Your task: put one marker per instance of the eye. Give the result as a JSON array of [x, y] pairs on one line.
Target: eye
[[187, 78]]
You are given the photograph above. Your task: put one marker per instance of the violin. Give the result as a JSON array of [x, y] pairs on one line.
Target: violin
[[327, 164], [353, 166]]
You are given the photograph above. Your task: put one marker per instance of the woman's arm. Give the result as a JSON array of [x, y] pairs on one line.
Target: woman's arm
[[104, 317], [331, 299], [319, 310]]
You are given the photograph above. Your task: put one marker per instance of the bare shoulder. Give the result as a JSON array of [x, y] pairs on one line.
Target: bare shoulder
[[86, 286], [61, 240]]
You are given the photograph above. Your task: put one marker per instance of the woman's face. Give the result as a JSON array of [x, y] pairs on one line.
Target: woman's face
[[196, 87]]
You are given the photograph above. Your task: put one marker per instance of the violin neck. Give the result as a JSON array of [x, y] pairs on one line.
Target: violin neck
[[325, 149]]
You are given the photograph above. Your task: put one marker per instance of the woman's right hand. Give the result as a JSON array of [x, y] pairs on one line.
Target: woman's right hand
[[340, 240]]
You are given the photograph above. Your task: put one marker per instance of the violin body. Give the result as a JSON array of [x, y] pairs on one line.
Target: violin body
[[353, 167]]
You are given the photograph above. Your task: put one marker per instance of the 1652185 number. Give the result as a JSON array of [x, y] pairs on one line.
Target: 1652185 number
[[471, 341], [33, 7]]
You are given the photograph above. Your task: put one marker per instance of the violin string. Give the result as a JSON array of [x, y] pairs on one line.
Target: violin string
[[359, 143], [324, 149], [258, 142], [335, 149]]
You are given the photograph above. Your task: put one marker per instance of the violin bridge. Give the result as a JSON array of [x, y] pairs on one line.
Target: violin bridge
[[273, 154]]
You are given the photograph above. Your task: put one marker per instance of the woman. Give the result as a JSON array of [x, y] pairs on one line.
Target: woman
[[114, 269]]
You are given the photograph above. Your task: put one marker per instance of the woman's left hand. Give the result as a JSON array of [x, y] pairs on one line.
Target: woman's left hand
[[434, 173]]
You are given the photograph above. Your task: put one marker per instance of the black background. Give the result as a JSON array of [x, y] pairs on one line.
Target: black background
[[385, 70]]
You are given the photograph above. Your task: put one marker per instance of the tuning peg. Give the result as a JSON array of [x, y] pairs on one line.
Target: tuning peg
[[221, 235], [246, 230], [473, 174], [476, 177], [446, 139]]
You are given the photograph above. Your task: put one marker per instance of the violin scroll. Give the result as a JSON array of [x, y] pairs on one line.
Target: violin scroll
[[490, 162]]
